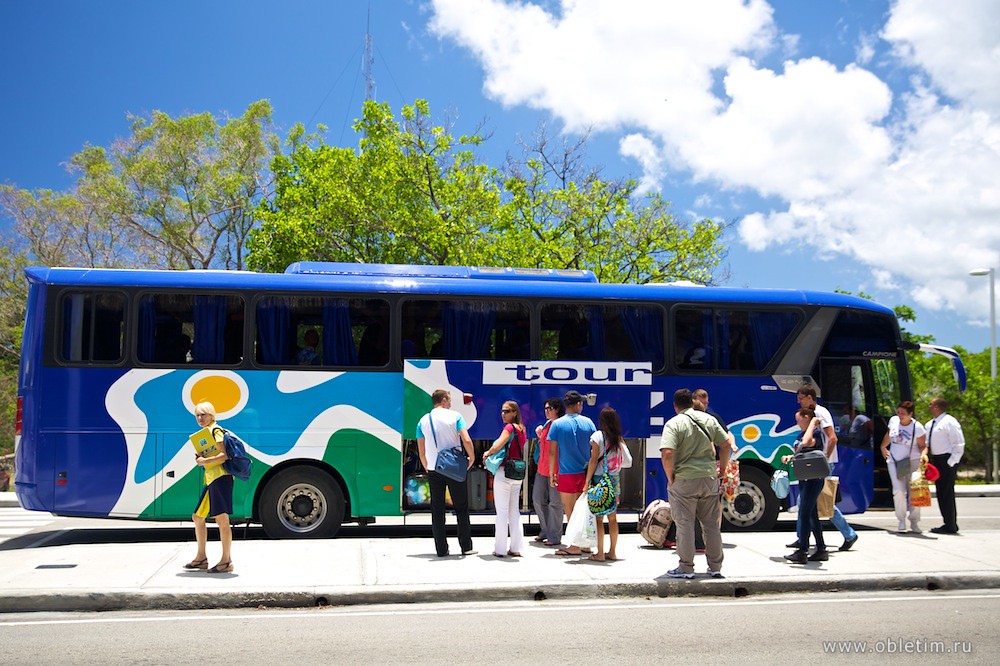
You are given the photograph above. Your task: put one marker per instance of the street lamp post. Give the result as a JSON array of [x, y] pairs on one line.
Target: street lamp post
[[993, 349]]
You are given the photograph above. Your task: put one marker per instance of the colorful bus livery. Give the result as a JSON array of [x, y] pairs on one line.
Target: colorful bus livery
[[323, 371]]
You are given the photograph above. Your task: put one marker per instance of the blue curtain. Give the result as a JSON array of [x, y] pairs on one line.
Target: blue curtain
[[723, 322], [466, 330], [708, 340], [595, 343], [769, 331], [147, 330], [644, 327], [338, 337], [273, 330], [209, 329], [67, 349]]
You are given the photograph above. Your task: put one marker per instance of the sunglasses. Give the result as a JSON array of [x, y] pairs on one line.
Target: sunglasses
[[506, 411]]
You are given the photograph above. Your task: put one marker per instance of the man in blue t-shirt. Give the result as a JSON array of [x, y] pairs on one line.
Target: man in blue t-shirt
[[569, 443]]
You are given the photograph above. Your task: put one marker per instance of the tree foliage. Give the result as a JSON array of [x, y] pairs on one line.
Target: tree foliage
[[176, 193], [184, 189], [414, 193]]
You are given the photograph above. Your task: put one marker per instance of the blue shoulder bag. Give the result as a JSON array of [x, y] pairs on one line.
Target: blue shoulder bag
[[450, 462]]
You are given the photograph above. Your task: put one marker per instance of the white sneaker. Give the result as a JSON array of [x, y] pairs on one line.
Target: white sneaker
[[679, 573], [915, 528], [902, 527]]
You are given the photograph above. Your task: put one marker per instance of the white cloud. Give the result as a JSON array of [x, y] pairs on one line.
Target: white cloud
[[913, 195], [649, 156], [865, 50], [957, 44]]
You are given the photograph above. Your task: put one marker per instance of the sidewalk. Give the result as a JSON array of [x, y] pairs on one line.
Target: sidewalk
[[137, 576]]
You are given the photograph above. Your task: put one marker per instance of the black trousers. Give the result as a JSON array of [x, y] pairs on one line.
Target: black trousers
[[460, 502], [945, 487]]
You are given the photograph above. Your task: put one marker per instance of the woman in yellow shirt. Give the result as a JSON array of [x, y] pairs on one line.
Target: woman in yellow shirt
[[216, 499]]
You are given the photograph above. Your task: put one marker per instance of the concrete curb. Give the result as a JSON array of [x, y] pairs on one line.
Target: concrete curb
[[18, 601]]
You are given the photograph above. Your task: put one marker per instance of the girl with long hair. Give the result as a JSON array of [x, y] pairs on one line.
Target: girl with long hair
[[606, 458]]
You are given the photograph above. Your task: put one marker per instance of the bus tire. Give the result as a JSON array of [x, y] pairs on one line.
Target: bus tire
[[755, 506], [301, 502]]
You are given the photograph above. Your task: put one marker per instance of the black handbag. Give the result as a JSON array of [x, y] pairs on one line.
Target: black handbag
[[810, 465]]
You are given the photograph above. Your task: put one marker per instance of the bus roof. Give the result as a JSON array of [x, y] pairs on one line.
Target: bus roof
[[435, 280]]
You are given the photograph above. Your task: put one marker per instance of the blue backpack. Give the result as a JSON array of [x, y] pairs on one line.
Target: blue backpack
[[239, 462]]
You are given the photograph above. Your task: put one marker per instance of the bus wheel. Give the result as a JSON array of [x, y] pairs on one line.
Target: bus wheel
[[301, 502], [755, 506]]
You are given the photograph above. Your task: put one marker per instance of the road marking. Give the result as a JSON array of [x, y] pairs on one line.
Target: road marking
[[587, 605], [15, 521]]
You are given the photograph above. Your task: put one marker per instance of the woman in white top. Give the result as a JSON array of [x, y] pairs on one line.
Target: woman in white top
[[902, 447]]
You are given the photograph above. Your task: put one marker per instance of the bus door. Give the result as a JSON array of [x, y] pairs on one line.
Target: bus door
[[624, 386], [479, 389], [847, 391]]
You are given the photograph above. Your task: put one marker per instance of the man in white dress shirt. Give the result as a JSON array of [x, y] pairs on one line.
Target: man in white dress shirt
[[946, 444]]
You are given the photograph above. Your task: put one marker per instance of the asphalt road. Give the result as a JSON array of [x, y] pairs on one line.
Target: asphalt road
[[22, 529], [933, 627]]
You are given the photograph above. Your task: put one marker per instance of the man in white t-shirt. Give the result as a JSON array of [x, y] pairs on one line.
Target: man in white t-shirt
[[443, 428], [807, 398]]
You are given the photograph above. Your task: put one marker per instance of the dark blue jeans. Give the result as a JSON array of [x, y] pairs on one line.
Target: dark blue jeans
[[808, 521]]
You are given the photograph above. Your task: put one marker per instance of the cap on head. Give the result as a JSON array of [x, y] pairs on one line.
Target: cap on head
[[573, 397]]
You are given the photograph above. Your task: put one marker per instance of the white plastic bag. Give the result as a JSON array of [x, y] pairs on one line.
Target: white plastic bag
[[582, 528], [626, 456]]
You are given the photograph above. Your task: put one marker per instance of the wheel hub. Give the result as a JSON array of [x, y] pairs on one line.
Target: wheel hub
[[302, 507]]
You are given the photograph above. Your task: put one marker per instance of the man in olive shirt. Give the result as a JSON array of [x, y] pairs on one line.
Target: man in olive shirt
[[688, 446]]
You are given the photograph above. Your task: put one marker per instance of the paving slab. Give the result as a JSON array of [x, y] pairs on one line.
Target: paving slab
[[398, 570]]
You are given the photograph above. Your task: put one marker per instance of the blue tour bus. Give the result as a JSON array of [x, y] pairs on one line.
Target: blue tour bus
[[113, 362]]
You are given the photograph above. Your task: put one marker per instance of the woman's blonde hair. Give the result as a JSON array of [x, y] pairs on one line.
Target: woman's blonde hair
[[205, 408]]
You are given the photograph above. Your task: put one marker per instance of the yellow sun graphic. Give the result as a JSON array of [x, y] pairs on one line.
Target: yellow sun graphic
[[226, 390], [750, 433]]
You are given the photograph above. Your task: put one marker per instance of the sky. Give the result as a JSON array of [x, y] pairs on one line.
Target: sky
[[851, 144]]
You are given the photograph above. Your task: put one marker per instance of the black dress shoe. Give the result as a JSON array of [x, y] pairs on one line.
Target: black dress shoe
[[798, 557], [819, 556], [795, 544], [850, 542], [943, 530]]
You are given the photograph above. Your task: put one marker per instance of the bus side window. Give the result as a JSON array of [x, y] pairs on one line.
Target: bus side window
[[692, 339], [176, 328], [92, 327], [465, 330]]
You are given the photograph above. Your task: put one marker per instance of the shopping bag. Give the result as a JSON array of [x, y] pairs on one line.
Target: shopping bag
[[920, 490], [582, 528], [730, 483], [827, 499], [780, 483]]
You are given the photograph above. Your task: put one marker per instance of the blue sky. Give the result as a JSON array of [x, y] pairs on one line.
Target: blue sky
[[854, 144]]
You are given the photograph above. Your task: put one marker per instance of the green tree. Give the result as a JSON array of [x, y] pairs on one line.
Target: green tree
[[182, 189], [176, 193], [414, 193], [410, 193]]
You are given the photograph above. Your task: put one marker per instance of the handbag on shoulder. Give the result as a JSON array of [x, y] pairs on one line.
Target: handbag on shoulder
[[810, 465]]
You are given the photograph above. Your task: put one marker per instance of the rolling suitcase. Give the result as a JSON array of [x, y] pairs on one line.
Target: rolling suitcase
[[477, 489]]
